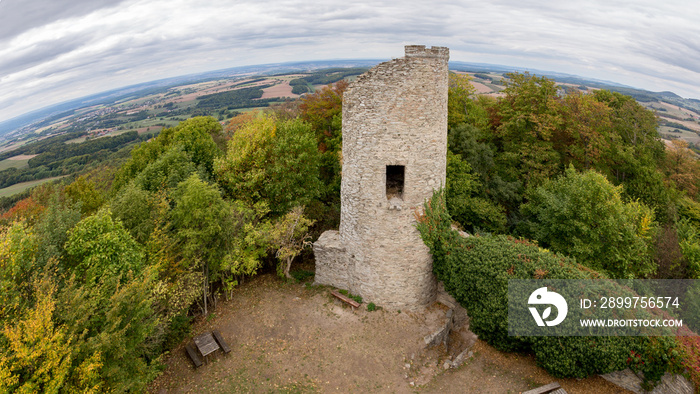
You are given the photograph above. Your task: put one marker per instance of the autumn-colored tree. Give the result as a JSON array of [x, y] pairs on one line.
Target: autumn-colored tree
[[18, 247], [323, 111], [39, 355], [84, 192], [584, 134], [525, 122], [26, 209], [239, 121], [286, 110], [682, 167]]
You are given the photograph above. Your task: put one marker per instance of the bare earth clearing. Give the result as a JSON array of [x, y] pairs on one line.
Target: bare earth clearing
[[22, 157], [282, 89], [481, 88], [289, 337]]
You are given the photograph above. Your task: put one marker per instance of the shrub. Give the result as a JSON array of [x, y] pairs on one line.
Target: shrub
[[476, 270], [583, 215]]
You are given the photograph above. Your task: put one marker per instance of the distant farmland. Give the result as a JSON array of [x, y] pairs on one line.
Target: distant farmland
[[20, 187]]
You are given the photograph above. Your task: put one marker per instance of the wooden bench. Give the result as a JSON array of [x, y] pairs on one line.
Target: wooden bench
[[220, 340], [345, 299], [552, 388], [193, 355]]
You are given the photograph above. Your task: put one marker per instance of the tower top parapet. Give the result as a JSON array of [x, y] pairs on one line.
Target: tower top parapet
[[422, 51]]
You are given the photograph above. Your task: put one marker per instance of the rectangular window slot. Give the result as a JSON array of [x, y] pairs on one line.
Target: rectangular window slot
[[394, 181]]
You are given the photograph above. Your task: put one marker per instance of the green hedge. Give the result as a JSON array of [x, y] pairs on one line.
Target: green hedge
[[476, 270]]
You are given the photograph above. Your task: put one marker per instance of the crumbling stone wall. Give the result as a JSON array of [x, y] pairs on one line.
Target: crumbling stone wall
[[393, 115]]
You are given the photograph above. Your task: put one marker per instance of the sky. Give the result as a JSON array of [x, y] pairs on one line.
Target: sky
[[56, 50]]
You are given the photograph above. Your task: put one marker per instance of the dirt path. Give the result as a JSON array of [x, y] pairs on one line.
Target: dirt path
[[295, 338]]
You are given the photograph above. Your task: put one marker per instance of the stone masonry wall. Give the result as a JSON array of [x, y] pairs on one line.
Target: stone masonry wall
[[395, 114]]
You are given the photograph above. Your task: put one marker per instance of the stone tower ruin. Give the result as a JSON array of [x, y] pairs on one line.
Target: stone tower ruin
[[394, 156]]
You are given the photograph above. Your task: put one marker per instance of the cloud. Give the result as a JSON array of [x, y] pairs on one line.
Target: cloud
[[18, 16], [61, 49]]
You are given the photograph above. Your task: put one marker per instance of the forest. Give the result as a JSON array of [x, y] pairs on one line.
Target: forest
[[102, 275], [54, 156]]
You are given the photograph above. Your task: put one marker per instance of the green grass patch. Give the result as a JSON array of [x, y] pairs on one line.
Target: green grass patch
[[357, 298], [20, 187], [76, 140], [302, 275], [670, 133], [9, 163]]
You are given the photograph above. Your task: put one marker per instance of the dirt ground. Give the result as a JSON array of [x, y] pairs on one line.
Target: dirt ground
[[292, 337]]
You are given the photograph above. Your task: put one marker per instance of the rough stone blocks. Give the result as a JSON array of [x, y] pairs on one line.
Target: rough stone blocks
[[394, 156]]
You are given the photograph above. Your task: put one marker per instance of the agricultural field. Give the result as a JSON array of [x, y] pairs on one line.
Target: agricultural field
[[20, 187], [137, 116], [19, 162]]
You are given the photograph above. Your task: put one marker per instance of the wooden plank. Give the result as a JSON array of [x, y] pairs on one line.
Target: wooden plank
[[206, 344], [548, 388], [220, 340], [193, 355], [345, 299]]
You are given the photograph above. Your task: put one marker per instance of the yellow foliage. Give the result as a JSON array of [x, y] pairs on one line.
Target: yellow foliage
[[36, 345]]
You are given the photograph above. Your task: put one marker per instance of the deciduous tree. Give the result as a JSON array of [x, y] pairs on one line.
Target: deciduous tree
[[288, 236], [274, 162], [583, 215]]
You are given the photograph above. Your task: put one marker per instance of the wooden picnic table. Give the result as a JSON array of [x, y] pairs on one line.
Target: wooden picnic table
[[206, 344]]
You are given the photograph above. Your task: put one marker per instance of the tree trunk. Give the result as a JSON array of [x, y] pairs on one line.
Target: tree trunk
[[287, 267], [206, 278]]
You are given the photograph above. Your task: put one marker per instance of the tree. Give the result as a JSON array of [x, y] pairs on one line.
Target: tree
[[584, 136], [323, 111], [682, 167], [26, 209], [636, 152], [52, 230], [459, 100], [272, 161], [167, 171], [524, 122], [193, 136], [583, 215], [239, 121], [114, 324], [39, 357], [202, 222], [463, 203], [133, 207], [289, 236], [99, 247], [18, 246], [83, 191], [473, 146]]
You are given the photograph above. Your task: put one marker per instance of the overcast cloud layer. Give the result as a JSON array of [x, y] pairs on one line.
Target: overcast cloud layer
[[56, 50]]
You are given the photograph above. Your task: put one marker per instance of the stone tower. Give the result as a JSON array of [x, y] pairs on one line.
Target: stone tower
[[394, 156]]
